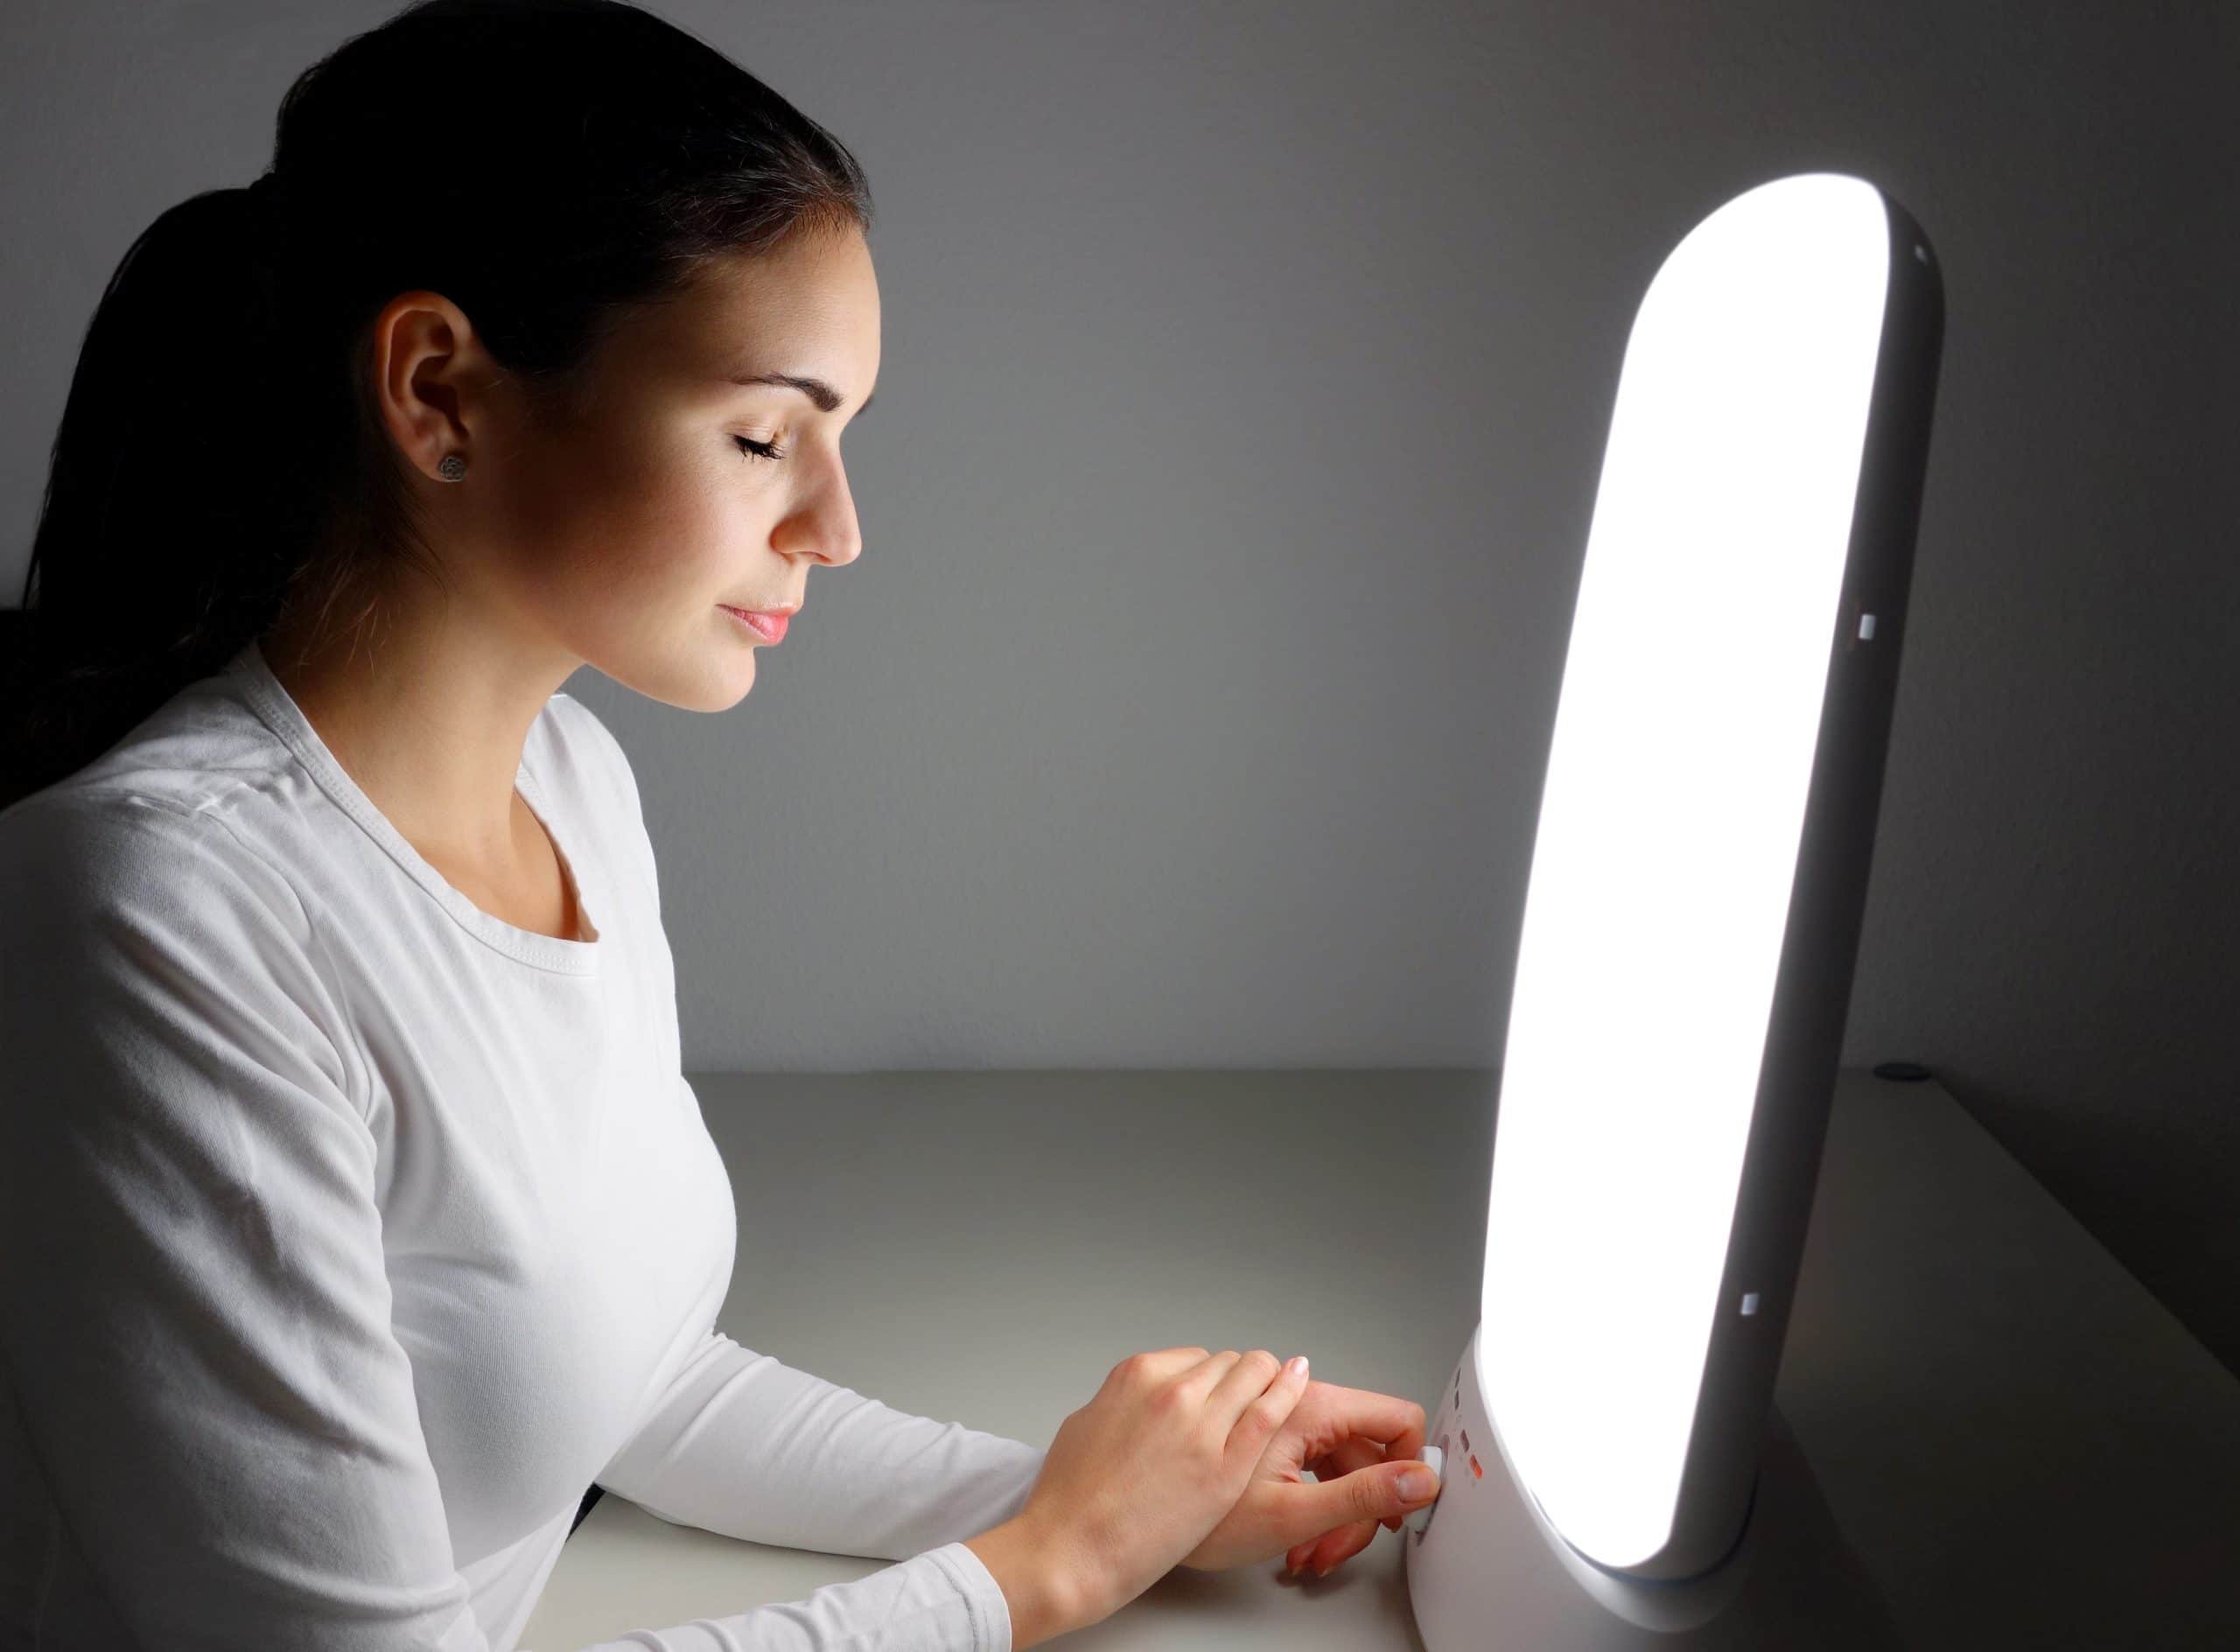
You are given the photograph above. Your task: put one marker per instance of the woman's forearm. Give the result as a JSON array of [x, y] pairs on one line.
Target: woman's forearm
[[1043, 1586]]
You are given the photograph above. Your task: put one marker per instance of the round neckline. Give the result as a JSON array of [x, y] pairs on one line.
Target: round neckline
[[269, 698]]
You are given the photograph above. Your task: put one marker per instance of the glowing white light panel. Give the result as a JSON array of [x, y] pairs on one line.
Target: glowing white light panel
[[1669, 828]]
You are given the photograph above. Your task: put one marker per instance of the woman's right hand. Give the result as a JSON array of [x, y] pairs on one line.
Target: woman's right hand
[[1135, 1478]]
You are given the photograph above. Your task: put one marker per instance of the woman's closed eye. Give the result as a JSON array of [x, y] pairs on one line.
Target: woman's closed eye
[[759, 450]]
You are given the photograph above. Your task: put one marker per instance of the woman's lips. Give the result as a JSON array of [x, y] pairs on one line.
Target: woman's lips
[[769, 626]]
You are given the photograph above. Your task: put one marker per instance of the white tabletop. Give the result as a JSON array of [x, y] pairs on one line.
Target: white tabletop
[[2022, 1445]]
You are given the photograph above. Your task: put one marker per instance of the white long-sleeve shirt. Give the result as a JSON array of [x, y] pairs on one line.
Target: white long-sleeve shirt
[[348, 1233]]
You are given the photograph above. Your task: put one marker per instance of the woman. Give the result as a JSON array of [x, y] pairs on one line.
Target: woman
[[355, 1212]]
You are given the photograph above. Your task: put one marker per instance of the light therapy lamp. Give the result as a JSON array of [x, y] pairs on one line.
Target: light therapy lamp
[[1613, 1472]]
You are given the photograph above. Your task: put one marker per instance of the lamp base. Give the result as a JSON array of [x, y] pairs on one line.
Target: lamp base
[[1487, 1573]]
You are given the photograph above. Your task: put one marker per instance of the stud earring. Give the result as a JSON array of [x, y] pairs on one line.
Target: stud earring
[[453, 468]]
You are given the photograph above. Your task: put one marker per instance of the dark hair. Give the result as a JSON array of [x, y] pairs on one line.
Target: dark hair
[[548, 165]]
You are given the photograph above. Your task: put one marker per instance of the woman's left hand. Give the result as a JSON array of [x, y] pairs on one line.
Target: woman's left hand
[[1355, 1442]]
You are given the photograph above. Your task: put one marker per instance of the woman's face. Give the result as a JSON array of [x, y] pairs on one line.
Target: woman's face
[[617, 530]]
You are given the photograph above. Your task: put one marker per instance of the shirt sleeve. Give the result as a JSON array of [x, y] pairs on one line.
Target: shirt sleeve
[[740, 1443], [195, 1304]]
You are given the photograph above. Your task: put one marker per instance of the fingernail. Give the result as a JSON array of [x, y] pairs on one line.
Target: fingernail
[[1324, 1572], [1299, 1366], [1416, 1485]]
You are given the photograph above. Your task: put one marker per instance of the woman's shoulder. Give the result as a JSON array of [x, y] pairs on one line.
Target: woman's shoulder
[[580, 733], [70, 856], [127, 908], [582, 752], [201, 756]]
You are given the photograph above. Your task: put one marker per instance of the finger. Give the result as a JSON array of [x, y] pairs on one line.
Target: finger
[[1157, 1364], [1334, 1549], [1377, 1489], [1347, 1456], [1395, 1424], [1197, 1383], [1332, 1415], [1197, 1376], [1344, 1458], [1361, 1453], [1358, 1452], [1264, 1412], [1248, 1378], [1295, 1556], [1322, 1552], [1210, 1368]]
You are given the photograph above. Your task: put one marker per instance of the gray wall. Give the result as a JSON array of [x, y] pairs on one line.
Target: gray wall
[[1246, 371]]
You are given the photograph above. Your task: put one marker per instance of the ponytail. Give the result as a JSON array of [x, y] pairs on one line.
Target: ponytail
[[180, 482]]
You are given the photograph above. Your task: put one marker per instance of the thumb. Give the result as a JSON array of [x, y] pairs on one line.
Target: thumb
[[1366, 1494]]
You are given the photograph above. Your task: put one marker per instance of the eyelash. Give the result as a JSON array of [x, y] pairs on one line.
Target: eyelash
[[759, 450]]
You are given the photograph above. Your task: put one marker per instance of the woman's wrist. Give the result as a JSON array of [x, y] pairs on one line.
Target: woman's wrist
[[1042, 1584]]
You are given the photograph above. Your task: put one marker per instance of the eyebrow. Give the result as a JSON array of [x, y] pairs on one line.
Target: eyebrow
[[817, 391]]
